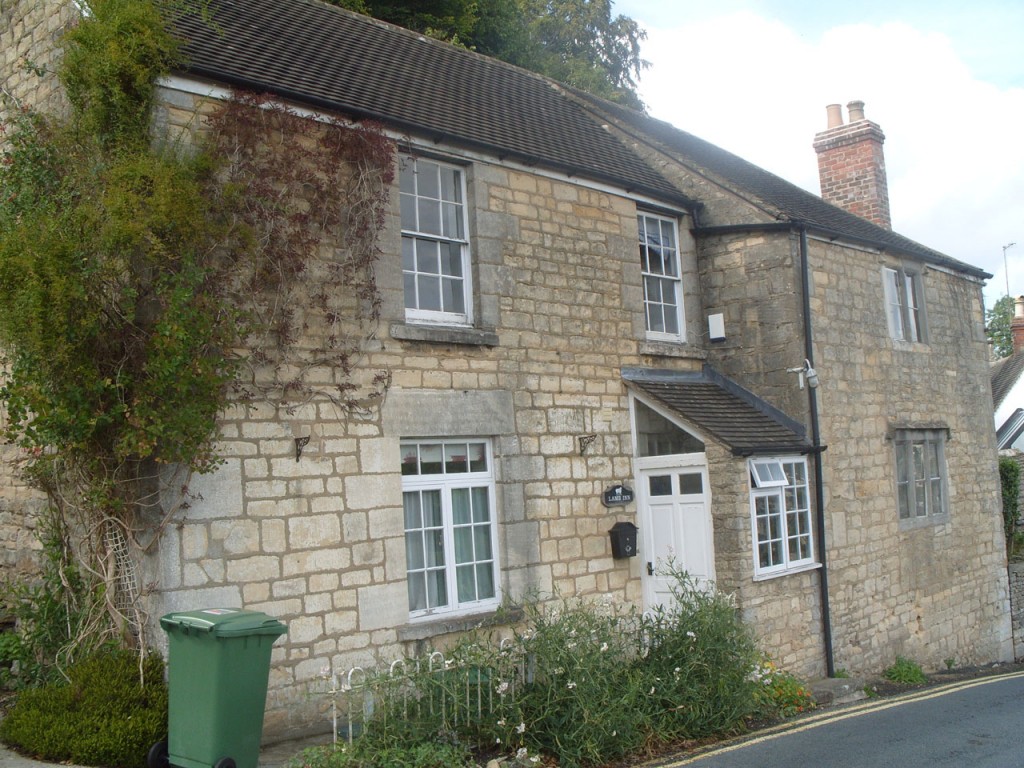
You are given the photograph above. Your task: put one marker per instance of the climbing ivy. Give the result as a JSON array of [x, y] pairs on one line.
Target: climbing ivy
[[145, 285]]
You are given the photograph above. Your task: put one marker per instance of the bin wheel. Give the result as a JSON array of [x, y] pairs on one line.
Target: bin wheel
[[157, 756], [224, 762]]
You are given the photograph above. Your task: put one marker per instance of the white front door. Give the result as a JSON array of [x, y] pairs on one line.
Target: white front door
[[674, 510]]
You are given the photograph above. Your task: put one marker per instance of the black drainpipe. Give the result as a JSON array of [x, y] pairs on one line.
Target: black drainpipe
[[819, 491]]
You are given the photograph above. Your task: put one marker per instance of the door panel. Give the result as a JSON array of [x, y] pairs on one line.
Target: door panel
[[675, 521]]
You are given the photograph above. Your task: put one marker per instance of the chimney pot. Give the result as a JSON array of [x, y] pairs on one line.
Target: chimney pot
[[856, 109], [835, 115]]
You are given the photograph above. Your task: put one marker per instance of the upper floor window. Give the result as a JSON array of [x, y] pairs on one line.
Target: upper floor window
[[920, 472], [435, 247], [450, 526], [903, 301], [663, 290], [781, 515]]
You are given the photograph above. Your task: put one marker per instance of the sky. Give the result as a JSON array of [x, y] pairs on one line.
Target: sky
[[944, 80]]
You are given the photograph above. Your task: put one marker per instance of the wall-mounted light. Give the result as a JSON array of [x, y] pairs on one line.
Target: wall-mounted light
[[805, 373]]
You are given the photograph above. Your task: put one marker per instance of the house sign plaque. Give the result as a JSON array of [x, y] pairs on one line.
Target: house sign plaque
[[617, 495]]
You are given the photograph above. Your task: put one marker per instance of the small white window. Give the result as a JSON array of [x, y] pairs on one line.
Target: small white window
[[435, 247], [767, 473], [781, 517], [662, 276]]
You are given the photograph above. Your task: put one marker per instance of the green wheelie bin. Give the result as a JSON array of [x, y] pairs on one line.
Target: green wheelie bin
[[218, 666]]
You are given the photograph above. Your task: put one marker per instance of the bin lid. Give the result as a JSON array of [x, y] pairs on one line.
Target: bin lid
[[223, 622]]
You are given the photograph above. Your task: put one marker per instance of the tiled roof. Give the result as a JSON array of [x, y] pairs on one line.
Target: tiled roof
[[790, 202], [1004, 374], [332, 59], [722, 409]]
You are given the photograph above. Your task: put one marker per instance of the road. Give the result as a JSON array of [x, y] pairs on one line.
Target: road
[[978, 723]]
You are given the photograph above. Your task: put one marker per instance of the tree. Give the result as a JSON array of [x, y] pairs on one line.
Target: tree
[[997, 327]]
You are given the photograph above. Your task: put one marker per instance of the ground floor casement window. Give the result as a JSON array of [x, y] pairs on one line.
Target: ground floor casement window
[[450, 532], [920, 473], [780, 515]]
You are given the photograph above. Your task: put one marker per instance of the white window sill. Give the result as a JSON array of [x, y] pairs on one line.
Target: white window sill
[[787, 572], [428, 626]]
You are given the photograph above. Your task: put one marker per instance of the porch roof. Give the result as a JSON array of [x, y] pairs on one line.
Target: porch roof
[[719, 407]]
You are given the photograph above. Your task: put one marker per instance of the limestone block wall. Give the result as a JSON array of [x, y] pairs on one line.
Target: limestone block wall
[[30, 32], [319, 543]]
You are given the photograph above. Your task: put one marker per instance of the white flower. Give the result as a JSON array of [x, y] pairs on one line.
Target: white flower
[[502, 687], [570, 685], [651, 692], [691, 635], [521, 728], [501, 723], [522, 753], [604, 647]]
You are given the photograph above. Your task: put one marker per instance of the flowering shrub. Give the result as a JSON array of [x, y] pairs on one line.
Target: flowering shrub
[[582, 682], [780, 693]]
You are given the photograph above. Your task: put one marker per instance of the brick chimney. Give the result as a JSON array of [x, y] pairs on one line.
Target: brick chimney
[[851, 166], [1017, 324]]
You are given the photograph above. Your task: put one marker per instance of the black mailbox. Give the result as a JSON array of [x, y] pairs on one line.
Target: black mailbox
[[623, 536]]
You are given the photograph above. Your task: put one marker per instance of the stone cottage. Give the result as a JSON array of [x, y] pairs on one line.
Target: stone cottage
[[591, 317]]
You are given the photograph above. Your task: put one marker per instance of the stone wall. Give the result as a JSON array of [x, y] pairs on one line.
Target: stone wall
[[319, 543]]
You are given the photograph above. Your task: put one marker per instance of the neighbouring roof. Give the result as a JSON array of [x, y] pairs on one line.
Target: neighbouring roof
[[329, 58], [719, 407], [1004, 374]]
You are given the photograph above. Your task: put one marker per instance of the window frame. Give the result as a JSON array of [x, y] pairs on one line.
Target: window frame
[[663, 277], [445, 483], [903, 292], [413, 236], [790, 507], [930, 480]]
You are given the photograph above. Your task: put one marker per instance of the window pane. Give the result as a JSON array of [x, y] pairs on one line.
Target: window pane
[[410, 465], [434, 549], [427, 257], [407, 175], [413, 514], [660, 485], [466, 581], [453, 295], [455, 459], [464, 545], [485, 581], [451, 259], [451, 216], [428, 179], [429, 212], [482, 542], [691, 482], [477, 457], [408, 206], [414, 551], [432, 513], [417, 591], [430, 459], [461, 513], [437, 589], [451, 184], [428, 290], [481, 505]]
